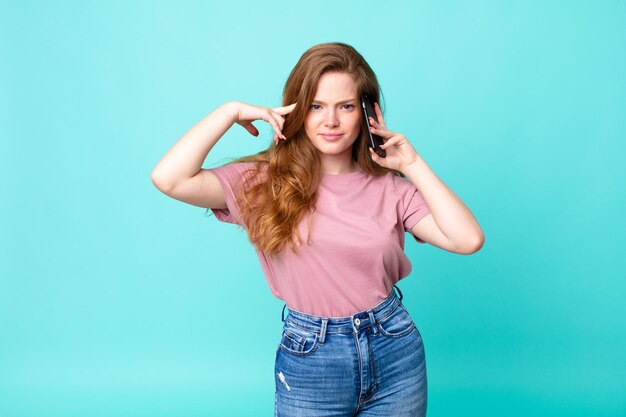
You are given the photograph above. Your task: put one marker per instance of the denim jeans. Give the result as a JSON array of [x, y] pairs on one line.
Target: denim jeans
[[369, 364]]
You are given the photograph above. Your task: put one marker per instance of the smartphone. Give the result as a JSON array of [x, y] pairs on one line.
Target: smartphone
[[368, 111]]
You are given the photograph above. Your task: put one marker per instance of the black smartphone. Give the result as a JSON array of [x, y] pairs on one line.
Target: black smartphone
[[368, 111]]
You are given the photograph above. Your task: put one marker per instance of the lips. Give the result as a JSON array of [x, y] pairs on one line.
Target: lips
[[331, 136]]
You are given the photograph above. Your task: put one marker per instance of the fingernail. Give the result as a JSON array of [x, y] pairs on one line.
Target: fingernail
[[283, 136]]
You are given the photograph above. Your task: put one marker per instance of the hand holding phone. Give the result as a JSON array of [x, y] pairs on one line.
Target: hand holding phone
[[368, 111]]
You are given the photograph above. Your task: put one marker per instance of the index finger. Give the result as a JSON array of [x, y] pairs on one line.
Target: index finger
[[285, 109]]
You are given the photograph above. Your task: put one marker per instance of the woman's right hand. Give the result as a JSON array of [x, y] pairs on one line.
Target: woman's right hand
[[245, 114]]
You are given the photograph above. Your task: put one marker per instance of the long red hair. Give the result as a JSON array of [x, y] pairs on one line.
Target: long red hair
[[272, 209]]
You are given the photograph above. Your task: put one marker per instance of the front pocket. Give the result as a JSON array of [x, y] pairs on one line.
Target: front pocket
[[298, 341], [397, 324]]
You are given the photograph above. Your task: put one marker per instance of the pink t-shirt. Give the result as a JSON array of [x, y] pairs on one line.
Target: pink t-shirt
[[356, 250]]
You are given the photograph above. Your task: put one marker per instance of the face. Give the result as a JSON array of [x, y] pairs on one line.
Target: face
[[333, 121]]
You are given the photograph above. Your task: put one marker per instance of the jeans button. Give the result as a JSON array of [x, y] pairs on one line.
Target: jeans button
[[357, 321]]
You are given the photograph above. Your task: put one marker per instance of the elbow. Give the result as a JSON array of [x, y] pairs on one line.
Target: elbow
[[158, 182], [473, 245], [477, 243]]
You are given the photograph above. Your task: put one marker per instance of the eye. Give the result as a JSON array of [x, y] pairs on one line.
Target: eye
[[350, 106], [315, 106]]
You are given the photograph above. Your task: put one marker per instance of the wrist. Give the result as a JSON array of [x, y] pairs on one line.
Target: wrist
[[411, 164], [231, 110]]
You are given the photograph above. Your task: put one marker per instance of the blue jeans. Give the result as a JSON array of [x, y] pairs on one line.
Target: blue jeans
[[369, 364]]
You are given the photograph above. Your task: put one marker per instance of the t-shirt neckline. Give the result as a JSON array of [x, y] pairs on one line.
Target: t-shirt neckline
[[326, 176]]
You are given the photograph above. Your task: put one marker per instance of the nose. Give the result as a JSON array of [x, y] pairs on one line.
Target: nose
[[331, 118]]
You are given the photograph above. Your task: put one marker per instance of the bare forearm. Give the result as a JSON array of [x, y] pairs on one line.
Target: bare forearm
[[185, 158], [452, 216]]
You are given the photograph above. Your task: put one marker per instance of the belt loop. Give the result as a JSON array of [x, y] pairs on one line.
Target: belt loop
[[398, 291], [373, 321], [323, 330], [282, 314]]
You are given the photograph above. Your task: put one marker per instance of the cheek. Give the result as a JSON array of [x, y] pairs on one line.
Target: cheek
[[310, 122], [307, 124], [356, 123]]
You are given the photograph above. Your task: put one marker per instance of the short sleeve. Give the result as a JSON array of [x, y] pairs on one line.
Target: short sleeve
[[415, 206], [231, 177]]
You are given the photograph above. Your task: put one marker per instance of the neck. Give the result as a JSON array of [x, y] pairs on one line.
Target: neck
[[338, 164]]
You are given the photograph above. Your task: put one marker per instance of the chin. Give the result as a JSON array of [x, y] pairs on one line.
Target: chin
[[333, 148]]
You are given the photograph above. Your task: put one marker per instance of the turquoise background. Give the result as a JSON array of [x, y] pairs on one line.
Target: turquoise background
[[116, 300]]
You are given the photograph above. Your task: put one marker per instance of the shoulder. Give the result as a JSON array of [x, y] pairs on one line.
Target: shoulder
[[395, 182], [240, 167], [239, 170]]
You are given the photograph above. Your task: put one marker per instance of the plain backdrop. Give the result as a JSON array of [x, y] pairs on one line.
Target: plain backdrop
[[116, 300]]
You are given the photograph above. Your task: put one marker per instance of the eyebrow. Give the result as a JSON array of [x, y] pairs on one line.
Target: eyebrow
[[339, 102]]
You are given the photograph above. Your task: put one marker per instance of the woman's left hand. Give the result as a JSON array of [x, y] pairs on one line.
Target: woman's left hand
[[399, 150]]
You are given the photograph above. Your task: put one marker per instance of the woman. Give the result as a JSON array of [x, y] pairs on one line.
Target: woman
[[327, 217]]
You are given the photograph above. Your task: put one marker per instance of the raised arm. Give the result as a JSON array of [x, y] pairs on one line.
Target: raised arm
[[180, 175], [450, 225]]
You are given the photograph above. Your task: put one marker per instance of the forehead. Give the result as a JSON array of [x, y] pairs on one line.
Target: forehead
[[335, 86]]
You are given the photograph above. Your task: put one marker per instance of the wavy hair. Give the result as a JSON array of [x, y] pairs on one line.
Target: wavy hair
[[273, 207]]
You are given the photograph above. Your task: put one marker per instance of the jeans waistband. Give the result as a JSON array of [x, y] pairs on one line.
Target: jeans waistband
[[346, 324]]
